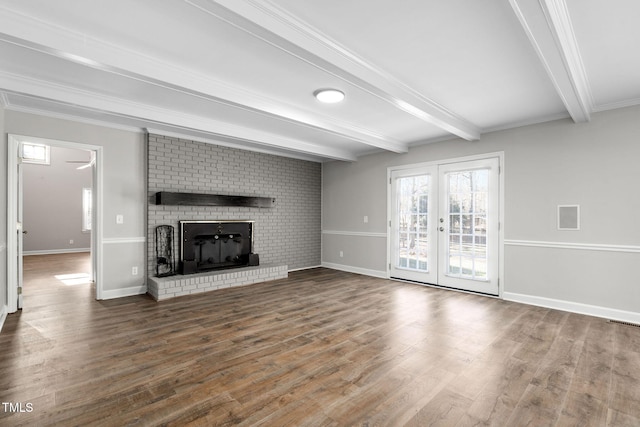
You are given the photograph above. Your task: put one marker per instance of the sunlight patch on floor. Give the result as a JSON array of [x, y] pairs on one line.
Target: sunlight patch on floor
[[74, 279]]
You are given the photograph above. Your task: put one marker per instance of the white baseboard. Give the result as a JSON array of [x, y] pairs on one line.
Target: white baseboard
[[357, 270], [304, 268], [3, 315], [125, 292], [575, 307], [570, 306], [56, 251]]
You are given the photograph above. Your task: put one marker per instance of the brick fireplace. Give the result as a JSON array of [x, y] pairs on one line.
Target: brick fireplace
[[287, 235]]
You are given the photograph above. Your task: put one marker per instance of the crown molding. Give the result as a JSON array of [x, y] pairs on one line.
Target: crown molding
[[111, 106], [74, 118], [27, 32], [548, 27], [271, 24], [4, 100], [527, 122], [615, 105]]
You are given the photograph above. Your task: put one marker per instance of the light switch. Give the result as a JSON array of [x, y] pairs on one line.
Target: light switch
[[119, 219], [366, 219]]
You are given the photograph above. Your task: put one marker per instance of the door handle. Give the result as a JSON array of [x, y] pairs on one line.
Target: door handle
[[24, 231], [441, 228]]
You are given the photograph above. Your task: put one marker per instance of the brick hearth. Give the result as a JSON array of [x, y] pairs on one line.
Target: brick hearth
[[162, 288]]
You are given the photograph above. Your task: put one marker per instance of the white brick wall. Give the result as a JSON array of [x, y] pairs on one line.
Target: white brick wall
[[288, 233], [162, 288]]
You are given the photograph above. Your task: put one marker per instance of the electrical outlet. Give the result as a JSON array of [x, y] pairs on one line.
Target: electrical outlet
[[366, 219], [134, 271], [71, 242], [119, 219], [341, 254]]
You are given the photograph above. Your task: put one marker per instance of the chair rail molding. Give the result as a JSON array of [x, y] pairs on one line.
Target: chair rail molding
[[575, 246], [354, 233]]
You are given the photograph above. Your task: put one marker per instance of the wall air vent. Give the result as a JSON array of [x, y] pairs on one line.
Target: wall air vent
[[569, 217]]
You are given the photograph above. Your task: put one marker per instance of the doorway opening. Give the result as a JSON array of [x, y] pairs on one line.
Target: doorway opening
[[54, 227]]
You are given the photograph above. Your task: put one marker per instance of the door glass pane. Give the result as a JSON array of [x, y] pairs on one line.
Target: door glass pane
[[454, 223], [413, 238], [467, 248], [467, 221], [480, 225], [454, 243], [480, 202], [454, 265], [454, 203], [468, 204], [480, 268]]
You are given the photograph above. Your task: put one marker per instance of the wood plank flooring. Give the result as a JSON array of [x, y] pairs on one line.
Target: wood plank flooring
[[321, 348]]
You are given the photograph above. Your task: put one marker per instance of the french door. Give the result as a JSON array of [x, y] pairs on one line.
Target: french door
[[445, 225]]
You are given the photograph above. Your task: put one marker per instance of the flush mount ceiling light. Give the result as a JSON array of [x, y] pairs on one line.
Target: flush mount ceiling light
[[329, 96]]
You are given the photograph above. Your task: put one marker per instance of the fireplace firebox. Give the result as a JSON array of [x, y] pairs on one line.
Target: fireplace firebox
[[214, 245]]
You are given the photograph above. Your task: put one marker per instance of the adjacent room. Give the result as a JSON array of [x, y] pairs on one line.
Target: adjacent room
[[57, 245], [278, 212]]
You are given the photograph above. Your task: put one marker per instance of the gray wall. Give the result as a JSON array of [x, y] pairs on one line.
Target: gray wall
[[592, 164], [288, 233], [52, 203], [3, 215], [124, 245]]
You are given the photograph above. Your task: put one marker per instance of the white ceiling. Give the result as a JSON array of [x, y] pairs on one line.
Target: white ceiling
[[243, 73]]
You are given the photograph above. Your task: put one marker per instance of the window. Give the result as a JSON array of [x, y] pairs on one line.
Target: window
[[86, 209], [35, 153]]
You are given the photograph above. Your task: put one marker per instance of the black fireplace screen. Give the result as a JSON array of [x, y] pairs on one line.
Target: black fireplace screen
[[164, 252], [211, 245]]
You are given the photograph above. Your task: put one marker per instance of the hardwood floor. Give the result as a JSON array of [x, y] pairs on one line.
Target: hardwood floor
[[322, 348]]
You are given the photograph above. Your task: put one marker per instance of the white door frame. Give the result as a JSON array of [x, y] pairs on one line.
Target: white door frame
[[500, 156], [12, 203]]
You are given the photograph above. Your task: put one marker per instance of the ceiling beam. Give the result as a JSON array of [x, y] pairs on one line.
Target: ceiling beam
[[271, 24], [48, 108], [153, 115], [548, 26], [82, 49]]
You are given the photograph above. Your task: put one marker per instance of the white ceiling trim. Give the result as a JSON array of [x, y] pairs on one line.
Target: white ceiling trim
[[62, 43], [548, 27], [90, 100], [615, 105], [4, 100], [70, 117], [167, 130], [528, 122], [266, 21], [558, 15], [512, 125]]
